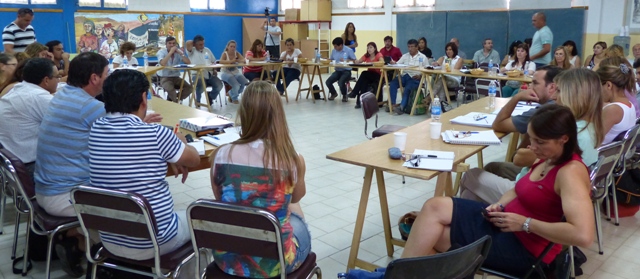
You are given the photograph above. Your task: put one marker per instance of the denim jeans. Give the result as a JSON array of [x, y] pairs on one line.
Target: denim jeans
[[408, 83], [216, 87], [342, 77], [303, 236], [290, 74], [237, 82]]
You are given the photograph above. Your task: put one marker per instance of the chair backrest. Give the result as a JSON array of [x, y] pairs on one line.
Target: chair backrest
[[459, 263], [482, 87], [234, 228], [369, 109], [17, 178], [628, 139], [601, 173]]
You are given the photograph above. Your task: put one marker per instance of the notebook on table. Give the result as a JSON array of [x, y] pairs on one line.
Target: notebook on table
[[430, 160], [476, 119], [487, 137], [221, 139]]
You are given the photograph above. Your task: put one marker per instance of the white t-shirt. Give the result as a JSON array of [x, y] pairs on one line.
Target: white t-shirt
[[118, 60], [532, 67], [273, 40], [285, 56]]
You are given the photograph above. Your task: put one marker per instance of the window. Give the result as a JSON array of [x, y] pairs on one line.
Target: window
[[353, 4], [99, 3], [208, 4], [26, 2], [411, 3], [290, 4]]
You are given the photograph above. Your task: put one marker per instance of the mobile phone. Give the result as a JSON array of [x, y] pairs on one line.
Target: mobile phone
[[485, 214]]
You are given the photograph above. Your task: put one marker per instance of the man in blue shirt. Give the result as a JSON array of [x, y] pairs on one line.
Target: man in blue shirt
[[341, 75], [540, 51]]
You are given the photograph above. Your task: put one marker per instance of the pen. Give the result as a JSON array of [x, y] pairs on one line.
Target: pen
[[469, 132], [432, 156], [216, 138], [480, 118]]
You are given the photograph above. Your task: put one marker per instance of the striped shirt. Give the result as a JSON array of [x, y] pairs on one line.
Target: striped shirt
[[129, 155], [18, 37], [62, 155]]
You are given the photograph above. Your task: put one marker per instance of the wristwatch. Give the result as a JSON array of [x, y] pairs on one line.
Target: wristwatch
[[525, 225]]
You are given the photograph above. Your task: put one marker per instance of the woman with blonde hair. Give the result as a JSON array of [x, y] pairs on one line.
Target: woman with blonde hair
[[618, 114], [263, 169], [614, 51], [126, 50], [630, 90], [38, 50], [561, 58], [231, 75], [255, 53]]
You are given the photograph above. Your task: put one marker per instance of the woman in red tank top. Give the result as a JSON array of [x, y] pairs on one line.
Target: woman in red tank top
[[527, 217]]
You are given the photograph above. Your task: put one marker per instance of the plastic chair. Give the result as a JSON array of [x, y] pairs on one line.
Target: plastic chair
[[369, 109], [628, 138], [239, 229], [127, 214], [459, 263], [39, 221], [482, 87]]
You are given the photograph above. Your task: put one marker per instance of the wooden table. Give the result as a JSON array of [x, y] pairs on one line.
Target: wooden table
[[149, 72], [373, 155], [311, 75]]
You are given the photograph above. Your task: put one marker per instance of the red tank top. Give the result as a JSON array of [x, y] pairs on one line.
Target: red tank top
[[539, 200]]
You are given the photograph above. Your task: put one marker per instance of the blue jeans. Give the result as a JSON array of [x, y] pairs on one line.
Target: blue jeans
[[408, 83], [216, 87], [342, 77], [303, 236], [237, 82], [254, 75], [290, 74]]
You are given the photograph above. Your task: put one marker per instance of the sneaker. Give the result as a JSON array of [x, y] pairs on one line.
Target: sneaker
[[398, 111], [70, 257], [357, 106], [352, 95], [386, 108], [344, 98], [333, 96]]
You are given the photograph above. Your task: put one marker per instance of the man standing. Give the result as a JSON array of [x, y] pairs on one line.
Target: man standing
[[486, 54], [460, 52], [60, 57], [148, 149], [540, 51], [201, 55], [24, 107], [19, 33], [389, 50], [170, 79], [272, 37], [341, 75], [410, 79]]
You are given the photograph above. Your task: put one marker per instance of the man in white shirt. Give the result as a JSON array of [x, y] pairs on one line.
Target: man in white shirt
[[201, 55], [410, 79], [486, 54], [540, 51], [24, 107], [19, 33], [272, 37]]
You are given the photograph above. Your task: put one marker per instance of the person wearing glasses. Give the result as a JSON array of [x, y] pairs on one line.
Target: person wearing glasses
[[24, 107], [19, 33]]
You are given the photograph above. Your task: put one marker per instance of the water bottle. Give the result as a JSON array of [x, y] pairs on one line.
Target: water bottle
[[436, 109], [145, 58], [492, 94], [149, 95], [344, 58], [342, 275], [268, 56], [317, 56], [490, 64], [125, 62], [421, 61], [526, 68], [206, 58]]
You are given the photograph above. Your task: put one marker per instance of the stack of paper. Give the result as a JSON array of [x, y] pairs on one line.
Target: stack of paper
[[431, 160], [221, 139], [487, 137], [476, 119], [520, 109], [201, 124], [198, 145]]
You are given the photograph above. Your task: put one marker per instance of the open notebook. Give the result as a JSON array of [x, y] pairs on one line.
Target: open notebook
[[476, 119], [430, 160], [471, 137]]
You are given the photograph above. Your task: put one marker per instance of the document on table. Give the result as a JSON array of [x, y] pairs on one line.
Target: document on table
[[521, 108], [221, 139], [198, 145], [476, 119], [430, 160]]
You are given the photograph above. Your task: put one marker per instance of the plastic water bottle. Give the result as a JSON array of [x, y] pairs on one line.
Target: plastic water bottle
[[317, 60], [206, 58], [268, 56], [490, 64], [526, 68], [421, 61], [149, 95], [344, 58], [145, 58], [125, 62], [492, 94], [436, 109]]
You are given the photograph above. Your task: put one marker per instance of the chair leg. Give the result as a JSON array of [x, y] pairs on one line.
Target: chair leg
[[615, 205], [596, 208], [25, 259], [403, 181], [608, 205], [49, 251], [15, 236], [573, 271], [318, 272], [3, 202]]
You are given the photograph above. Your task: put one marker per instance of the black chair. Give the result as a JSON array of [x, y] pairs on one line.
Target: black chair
[[537, 269], [459, 263], [127, 214], [628, 139], [243, 230], [370, 109]]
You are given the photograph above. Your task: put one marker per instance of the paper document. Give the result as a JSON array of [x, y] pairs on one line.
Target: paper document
[[221, 139], [198, 145], [430, 160], [487, 137], [476, 119]]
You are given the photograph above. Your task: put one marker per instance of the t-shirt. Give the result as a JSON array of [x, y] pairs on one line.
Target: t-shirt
[[628, 120], [175, 60], [119, 58], [272, 40], [427, 52], [127, 154], [370, 59], [62, 160], [542, 37], [252, 69], [284, 56], [19, 38], [480, 58], [394, 53], [408, 59], [22, 110], [198, 57]]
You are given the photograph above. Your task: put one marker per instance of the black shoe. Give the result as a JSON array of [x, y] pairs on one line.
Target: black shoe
[[70, 256], [333, 96], [352, 95], [344, 98], [357, 106]]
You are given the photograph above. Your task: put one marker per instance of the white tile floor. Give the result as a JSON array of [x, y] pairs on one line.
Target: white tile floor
[[333, 193]]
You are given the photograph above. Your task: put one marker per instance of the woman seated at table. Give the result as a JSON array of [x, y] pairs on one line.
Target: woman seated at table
[[511, 56], [126, 50], [526, 218], [231, 75], [618, 114], [573, 57], [423, 48], [370, 76], [522, 57], [560, 58], [630, 90], [263, 169], [255, 53], [579, 90], [593, 60], [290, 69], [455, 62]]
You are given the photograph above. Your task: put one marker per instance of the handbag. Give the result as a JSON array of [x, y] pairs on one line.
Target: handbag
[[405, 223]]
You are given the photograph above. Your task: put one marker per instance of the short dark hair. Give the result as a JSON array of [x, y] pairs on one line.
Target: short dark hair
[[636, 64], [169, 39], [289, 40], [122, 91], [36, 69], [553, 121], [388, 38], [83, 66], [412, 42], [52, 44], [197, 39], [550, 72], [25, 11], [337, 41], [453, 46]]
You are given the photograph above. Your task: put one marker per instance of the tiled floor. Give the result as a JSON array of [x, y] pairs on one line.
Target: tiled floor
[[333, 192]]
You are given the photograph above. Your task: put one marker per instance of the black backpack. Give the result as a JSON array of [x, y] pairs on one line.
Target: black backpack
[[628, 187]]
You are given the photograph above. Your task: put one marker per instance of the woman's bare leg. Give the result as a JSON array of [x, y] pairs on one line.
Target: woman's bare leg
[[430, 232]]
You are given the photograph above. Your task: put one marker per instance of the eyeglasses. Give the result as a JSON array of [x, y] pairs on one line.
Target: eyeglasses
[[415, 160], [462, 134]]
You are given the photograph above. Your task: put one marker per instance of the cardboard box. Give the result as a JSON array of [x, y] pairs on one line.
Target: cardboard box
[[319, 9], [304, 10], [292, 14], [295, 31]]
